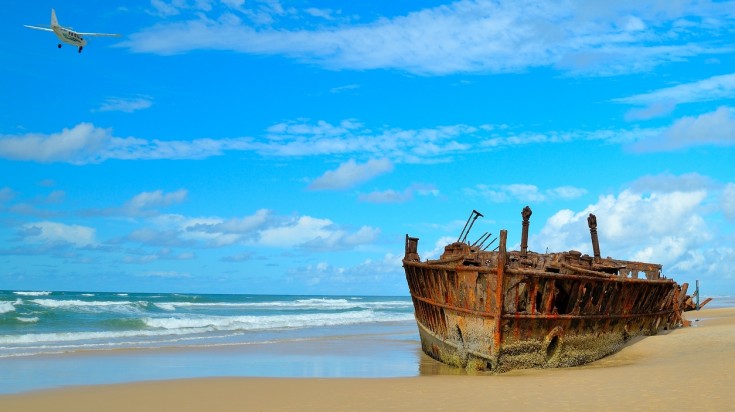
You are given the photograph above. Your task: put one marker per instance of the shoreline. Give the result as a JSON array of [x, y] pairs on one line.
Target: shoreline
[[689, 368]]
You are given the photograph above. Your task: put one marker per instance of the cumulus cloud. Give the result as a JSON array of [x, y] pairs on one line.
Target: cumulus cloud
[[350, 174], [314, 233], [658, 227], [54, 232], [523, 192], [80, 144], [438, 248], [670, 227], [462, 36], [242, 225], [263, 228], [190, 230], [710, 129], [145, 203]]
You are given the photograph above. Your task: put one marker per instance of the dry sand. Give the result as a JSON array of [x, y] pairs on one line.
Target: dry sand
[[689, 369]]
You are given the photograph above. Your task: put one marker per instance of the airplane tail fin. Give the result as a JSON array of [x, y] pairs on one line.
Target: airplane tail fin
[[54, 21]]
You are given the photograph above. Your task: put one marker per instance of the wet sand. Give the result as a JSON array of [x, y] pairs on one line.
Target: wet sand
[[684, 369]]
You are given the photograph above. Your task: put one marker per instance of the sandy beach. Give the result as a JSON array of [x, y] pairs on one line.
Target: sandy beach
[[684, 369]]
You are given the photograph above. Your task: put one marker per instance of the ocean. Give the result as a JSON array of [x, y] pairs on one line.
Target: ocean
[[51, 339], [44, 322]]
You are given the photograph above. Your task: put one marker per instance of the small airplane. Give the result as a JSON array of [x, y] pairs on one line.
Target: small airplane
[[67, 35]]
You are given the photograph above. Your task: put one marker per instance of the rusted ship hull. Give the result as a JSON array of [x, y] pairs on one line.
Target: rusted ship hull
[[505, 310]]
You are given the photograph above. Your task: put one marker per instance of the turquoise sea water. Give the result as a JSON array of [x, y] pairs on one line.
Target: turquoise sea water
[[33, 323], [50, 339]]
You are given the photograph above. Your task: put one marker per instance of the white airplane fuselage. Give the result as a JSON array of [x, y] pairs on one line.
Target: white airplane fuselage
[[69, 36]]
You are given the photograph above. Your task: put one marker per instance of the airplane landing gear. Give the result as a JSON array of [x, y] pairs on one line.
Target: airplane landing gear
[[59, 45], [80, 49]]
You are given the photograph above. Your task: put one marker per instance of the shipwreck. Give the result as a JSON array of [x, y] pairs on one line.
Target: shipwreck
[[499, 310]]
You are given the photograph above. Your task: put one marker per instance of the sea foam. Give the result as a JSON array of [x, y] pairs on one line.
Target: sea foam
[[93, 306], [251, 323], [6, 307], [300, 304]]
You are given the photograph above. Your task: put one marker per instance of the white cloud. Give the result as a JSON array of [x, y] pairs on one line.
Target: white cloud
[[53, 232], [145, 202], [351, 174], [393, 196], [713, 88], [663, 101], [371, 276], [715, 128], [326, 14], [341, 89], [165, 274], [128, 105], [81, 144], [566, 192], [164, 9], [300, 231], [263, 228], [315, 233], [438, 249], [657, 228], [245, 224], [190, 230], [463, 36], [86, 143], [657, 109], [288, 130], [507, 138], [523, 192], [306, 139], [728, 200], [386, 196]]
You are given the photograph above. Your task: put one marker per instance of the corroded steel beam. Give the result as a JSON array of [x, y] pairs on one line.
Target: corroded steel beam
[[592, 223], [526, 214]]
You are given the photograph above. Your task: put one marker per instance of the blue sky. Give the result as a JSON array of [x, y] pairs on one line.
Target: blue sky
[[288, 147]]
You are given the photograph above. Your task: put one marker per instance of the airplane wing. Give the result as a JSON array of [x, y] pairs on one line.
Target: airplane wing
[[99, 34], [37, 28]]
